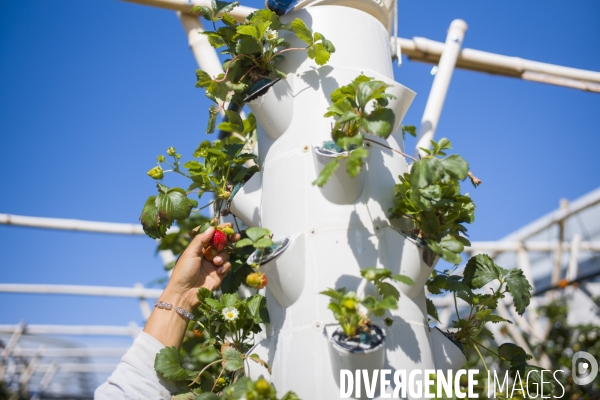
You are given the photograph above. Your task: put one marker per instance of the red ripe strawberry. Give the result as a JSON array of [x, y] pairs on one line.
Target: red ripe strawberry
[[257, 280], [219, 240]]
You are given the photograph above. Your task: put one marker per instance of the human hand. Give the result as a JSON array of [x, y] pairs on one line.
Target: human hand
[[193, 271]]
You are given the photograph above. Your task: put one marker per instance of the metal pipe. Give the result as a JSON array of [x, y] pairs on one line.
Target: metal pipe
[[439, 88]]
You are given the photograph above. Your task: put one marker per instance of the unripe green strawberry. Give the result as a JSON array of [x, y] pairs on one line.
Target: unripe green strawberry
[[257, 280], [156, 173], [349, 304], [219, 240], [262, 386]]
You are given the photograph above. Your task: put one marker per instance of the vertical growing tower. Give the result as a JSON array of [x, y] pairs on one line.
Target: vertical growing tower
[[336, 230]]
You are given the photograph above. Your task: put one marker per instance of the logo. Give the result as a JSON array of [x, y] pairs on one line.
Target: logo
[[584, 372]]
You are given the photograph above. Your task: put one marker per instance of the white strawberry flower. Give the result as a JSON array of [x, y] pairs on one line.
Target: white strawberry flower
[[271, 34], [230, 313]]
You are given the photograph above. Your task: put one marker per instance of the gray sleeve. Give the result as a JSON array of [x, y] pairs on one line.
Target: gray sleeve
[[135, 377]]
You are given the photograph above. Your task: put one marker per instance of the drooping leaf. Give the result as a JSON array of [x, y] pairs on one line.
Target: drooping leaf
[[168, 364], [354, 162], [480, 271], [326, 172], [519, 288], [213, 111], [410, 129], [450, 283], [431, 310], [151, 221]]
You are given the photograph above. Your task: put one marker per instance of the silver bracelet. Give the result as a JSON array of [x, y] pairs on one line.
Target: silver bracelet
[[178, 310]]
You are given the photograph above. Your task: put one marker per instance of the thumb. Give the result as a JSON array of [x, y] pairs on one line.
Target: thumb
[[200, 241]]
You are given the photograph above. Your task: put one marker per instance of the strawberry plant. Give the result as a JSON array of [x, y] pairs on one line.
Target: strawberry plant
[[228, 326], [358, 108], [352, 313], [482, 271], [430, 197], [255, 47]]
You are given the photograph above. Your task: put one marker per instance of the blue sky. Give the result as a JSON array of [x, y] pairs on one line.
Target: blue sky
[[91, 91]]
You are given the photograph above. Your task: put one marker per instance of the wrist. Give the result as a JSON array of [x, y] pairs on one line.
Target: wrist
[[178, 299]]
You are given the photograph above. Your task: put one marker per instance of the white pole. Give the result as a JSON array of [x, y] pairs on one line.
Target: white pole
[[574, 258], [537, 246], [137, 291], [71, 224], [437, 96], [131, 330], [239, 13], [204, 53], [427, 50]]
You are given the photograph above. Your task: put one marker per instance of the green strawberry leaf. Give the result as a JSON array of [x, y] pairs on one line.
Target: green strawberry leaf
[[327, 172], [232, 359], [168, 364], [380, 122], [431, 310], [256, 233], [519, 288], [456, 166], [300, 29], [480, 271]]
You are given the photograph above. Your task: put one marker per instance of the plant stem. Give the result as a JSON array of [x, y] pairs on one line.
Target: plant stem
[[229, 66], [482, 346], [217, 380], [482, 359], [394, 150], [204, 369], [290, 49], [206, 205]]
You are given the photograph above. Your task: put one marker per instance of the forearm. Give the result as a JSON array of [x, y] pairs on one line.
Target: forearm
[[167, 326]]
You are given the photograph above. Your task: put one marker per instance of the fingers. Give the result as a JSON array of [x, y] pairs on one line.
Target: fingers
[[224, 269], [235, 237], [221, 258], [200, 241]]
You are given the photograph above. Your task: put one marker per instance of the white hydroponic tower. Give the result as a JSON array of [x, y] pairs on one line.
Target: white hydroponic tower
[[340, 228]]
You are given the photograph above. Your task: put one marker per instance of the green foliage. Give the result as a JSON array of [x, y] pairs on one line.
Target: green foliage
[[480, 271], [430, 197], [218, 167], [254, 48], [168, 364], [359, 107], [225, 322], [345, 304], [562, 341]]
